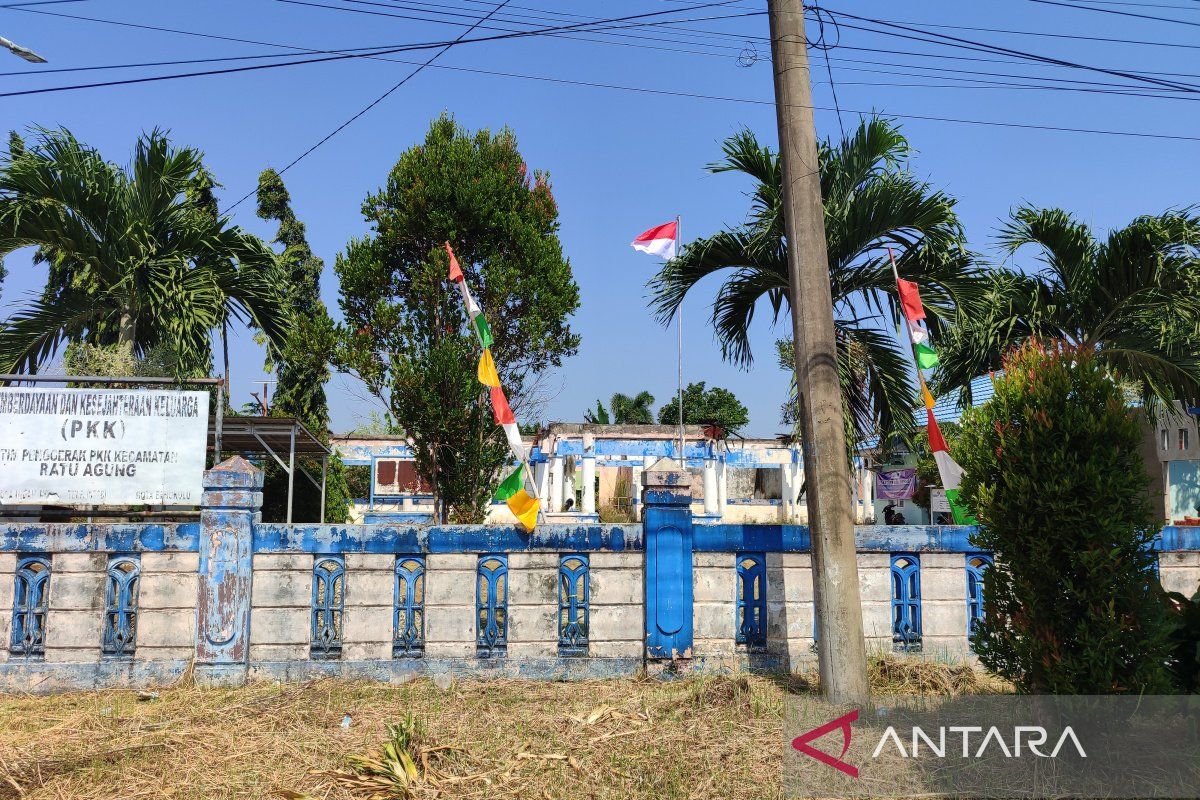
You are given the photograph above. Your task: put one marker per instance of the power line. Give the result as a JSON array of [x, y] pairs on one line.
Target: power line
[[218, 37], [691, 36], [601, 31], [40, 3], [986, 79], [676, 93], [1142, 5], [1044, 34], [955, 41], [751, 101], [333, 56], [1133, 14], [375, 102]]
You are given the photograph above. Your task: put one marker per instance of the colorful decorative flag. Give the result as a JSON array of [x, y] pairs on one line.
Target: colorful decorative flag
[[478, 321], [512, 484], [525, 508], [910, 299], [456, 273], [485, 333], [512, 491], [926, 395], [919, 335], [658, 241], [926, 357], [949, 470], [487, 370], [505, 419]]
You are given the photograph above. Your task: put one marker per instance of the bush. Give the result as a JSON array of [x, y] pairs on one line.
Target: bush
[[1054, 477], [1184, 663]]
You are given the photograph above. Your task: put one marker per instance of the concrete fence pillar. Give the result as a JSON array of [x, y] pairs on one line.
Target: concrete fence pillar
[[711, 500], [556, 483], [667, 526], [589, 483], [541, 477], [722, 484], [231, 506]]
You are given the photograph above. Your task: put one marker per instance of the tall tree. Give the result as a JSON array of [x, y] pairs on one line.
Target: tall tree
[[405, 330], [873, 202], [131, 260], [635, 410], [302, 366], [1133, 298], [704, 406]]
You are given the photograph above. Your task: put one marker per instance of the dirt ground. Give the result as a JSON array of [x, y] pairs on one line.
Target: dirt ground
[[631, 738]]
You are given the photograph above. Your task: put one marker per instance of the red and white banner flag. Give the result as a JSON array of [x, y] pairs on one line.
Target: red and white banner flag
[[659, 241]]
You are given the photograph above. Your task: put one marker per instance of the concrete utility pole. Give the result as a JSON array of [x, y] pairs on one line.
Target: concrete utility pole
[[841, 648], [23, 52]]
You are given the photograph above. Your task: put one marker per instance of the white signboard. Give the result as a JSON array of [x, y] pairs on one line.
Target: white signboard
[[938, 504], [102, 446]]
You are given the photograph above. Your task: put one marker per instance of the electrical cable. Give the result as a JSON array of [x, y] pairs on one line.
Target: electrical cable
[[373, 103], [335, 56], [955, 41], [700, 39], [218, 37], [1133, 14], [681, 94]]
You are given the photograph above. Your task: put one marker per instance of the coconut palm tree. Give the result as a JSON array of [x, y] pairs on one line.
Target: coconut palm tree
[[1134, 298], [132, 262], [872, 203], [635, 410]]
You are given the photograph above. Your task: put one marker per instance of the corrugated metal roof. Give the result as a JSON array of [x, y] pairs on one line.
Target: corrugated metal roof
[[946, 409]]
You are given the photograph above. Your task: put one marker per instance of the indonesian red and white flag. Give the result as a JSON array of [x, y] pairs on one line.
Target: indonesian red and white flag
[[658, 241]]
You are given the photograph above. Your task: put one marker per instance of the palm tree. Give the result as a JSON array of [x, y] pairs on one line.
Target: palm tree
[[634, 410], [1134, 298], [872, 203], [132, 260]]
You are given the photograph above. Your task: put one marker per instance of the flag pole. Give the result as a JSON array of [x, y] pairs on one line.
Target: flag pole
[[679, 387]]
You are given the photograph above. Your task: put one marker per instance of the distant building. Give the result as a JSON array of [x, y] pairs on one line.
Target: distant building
[[1177, 449]]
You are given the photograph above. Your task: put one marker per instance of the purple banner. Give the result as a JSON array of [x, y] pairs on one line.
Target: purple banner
[[899, 484]]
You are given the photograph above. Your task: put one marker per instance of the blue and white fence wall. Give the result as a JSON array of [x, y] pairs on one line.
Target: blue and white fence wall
[[134, 605]]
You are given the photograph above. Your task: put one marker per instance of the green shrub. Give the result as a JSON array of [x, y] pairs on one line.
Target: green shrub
[[1054, 477], [1184, 663]]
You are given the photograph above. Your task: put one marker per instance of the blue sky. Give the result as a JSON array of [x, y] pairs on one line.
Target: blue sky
[[620, 161]]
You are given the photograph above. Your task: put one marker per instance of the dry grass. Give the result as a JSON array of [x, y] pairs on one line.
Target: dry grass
[[700, 737]]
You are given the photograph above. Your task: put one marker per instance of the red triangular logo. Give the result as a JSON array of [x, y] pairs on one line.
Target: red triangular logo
[[842, 723]]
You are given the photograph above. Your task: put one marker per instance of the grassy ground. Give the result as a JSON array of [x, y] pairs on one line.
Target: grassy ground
[[701, 737]]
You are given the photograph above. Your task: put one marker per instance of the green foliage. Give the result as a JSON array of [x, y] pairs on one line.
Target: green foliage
[[597, 416], [358, 481], [118, 361], [405, 328], [1133, 298], [873, 202], [1184, 661], [302, 363], [132, 258], [1054, 476], [634, 410], [623, 409], [703, 406], [378, 425]]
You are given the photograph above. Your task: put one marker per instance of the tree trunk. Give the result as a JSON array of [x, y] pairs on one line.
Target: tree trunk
[[225, 355], [128, 329]]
